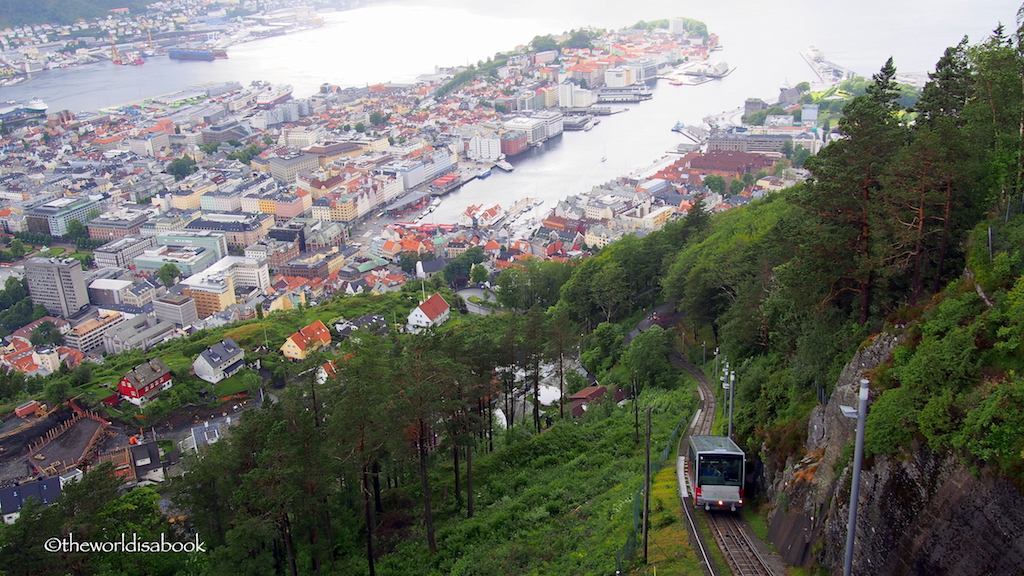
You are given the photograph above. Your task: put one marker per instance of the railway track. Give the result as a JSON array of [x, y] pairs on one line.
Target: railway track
[[740, 552], [727, 529]]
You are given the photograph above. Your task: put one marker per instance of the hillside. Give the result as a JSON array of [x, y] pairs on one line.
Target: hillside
[[22, 12]]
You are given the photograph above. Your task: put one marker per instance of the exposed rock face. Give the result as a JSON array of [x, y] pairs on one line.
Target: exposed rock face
[[919, 515]]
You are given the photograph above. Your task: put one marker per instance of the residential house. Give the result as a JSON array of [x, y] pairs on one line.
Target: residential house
[[306, 340], [592, 394], [145, 382], [432, 312], [12, 499], [220, 361]]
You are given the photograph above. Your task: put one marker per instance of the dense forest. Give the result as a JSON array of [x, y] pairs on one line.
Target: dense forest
[[392, 462]]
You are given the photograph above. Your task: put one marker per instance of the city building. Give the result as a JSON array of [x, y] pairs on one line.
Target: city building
[[58, 284], [117, 224], [145, 382], [275, 252], [286, 168], [188, 259], [177, 309], [240, 230], [319, 264], [139, 332], [536, 130], [211, 240], [88, 335], [53, 217], [213, 289], [120, 253], [220, 361], [108, 290]]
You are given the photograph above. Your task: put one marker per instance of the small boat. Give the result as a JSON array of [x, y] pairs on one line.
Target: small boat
[[484, 173], [505, 166], [604, 158]]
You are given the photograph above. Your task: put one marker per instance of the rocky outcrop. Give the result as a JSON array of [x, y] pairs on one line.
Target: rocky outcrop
[[919, 514]]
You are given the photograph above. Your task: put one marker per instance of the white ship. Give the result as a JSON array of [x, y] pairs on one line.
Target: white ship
[[273, 95]]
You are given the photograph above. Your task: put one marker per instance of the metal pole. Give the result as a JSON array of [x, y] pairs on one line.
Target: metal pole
[[704, 353], [647, 483], [732, 388], [858, 458]]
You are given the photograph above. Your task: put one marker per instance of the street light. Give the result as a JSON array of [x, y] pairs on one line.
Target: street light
[[858, 457], [732, 394], [727, 379]]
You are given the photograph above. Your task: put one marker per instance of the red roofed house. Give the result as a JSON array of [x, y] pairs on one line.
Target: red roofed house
[[306, 340], [591, 394], [431, 312], [145, 382]]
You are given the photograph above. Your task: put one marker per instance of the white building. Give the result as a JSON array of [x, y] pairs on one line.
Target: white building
[[432, 312], [485, 148]]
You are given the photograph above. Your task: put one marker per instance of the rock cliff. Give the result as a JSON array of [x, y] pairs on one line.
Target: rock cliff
[[921, 513]]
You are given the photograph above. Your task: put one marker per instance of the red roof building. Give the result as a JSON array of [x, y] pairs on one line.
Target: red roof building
[[432, 312], [306, 340]]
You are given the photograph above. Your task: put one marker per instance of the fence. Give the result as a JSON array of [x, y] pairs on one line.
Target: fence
[[626, 554]]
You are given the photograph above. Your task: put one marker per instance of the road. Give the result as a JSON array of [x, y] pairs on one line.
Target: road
[[476, 293]]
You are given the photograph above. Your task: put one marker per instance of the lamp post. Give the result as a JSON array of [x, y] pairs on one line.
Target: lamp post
[[732, 394], [858, 457], [703, 353], [727, 386]]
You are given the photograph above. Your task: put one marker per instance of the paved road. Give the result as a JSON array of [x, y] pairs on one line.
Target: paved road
[[649, 320], [477, 293]]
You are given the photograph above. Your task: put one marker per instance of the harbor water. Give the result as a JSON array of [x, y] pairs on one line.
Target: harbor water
[[396, 41]]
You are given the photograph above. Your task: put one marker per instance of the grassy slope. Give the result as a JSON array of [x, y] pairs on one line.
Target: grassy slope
[[558, 503]]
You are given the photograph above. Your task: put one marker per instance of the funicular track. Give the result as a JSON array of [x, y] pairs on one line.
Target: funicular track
[[727, 529]]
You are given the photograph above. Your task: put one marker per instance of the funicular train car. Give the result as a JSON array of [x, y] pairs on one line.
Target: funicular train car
[[716, 470]]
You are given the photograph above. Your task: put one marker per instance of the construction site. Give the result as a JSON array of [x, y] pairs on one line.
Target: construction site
[[48, 443]]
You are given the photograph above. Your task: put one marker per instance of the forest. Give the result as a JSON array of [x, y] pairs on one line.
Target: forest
[[913, 224]]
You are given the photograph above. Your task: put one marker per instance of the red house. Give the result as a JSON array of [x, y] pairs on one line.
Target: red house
[[592, 394], [145, 382]]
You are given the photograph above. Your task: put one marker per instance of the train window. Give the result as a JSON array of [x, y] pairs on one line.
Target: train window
[[720, 470]]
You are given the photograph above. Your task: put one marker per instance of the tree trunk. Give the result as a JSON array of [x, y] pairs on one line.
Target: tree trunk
[[330, 534], [370, 521], [945, 238], [536, 398], [561, 385], [376, 487], [289, 546], [458, 483], [428, 516], [469, 482]]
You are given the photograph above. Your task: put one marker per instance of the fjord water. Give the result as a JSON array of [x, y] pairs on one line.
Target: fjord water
[[397, 41]]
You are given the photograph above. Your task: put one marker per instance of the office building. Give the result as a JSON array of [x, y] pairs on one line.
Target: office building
[[58, 284], [177, 309], [121, 252], [53, 217]]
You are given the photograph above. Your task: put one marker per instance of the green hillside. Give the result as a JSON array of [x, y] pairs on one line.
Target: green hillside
[[21, 12]]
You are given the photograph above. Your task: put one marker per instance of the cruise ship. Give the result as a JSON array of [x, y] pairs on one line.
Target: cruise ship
[[273, 96], [11, 112]]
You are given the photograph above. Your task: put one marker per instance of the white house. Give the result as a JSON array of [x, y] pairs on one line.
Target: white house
[[432, 312], [220, 361]]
